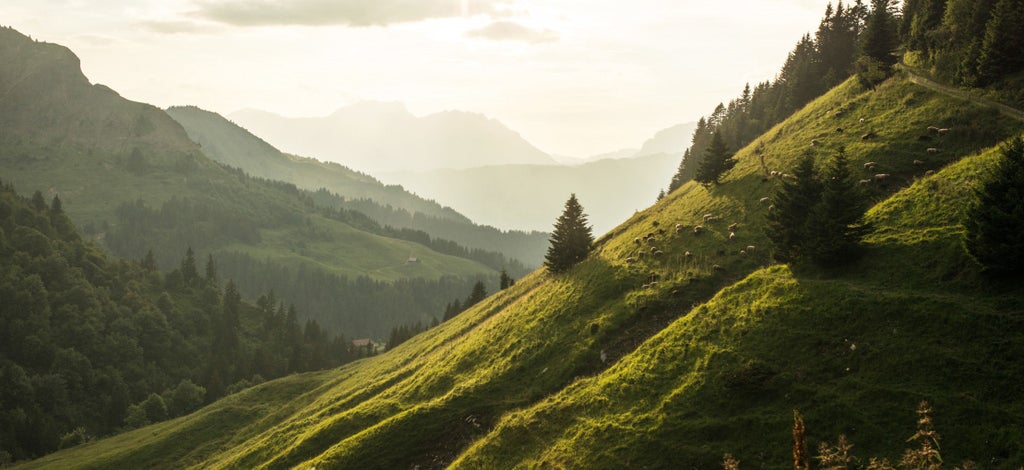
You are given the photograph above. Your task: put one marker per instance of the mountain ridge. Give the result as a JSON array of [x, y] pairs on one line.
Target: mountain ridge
[[374, 136]]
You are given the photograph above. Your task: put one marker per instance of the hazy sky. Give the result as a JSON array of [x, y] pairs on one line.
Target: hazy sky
[[574, 77]]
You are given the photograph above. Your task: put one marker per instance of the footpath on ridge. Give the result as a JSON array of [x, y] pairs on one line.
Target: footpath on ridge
[[954, 92]]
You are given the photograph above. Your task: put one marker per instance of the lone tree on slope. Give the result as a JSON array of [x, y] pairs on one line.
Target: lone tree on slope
[[995, 223], [717, 161], [572, 239]]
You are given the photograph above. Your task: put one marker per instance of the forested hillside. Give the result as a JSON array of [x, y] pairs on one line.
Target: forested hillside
[[91, 346], [132, 179]]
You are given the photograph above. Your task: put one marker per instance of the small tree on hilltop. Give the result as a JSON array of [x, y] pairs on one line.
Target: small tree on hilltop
[[717, 161], [995, 223], [571, 240]]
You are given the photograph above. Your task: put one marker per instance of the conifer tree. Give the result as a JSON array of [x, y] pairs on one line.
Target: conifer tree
[[995, 223], [1004, 40], [505, 281], [571, 240], [188, 268], [717, 161], [835, 225], [479, 293], [792, 201], [880, 33]]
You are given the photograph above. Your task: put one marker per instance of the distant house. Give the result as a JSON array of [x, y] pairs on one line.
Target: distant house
[[361, 343]]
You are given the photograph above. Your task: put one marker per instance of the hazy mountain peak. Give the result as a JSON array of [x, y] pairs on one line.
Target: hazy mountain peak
[[375, 136]]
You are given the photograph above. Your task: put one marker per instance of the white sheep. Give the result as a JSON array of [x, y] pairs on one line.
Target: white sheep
[[943, 131], [933, 129], [733, 226], [698, 230], [763, 200], [868, 165], [929, 172], [750, 248], [881, 177], [771, 208], [933, 150], [732, 236], [688, 254], [863, 182], [918, 162], [815, 143]]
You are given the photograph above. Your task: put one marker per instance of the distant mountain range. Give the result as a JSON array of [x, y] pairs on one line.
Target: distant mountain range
[[473, 164], [376, 136], [610, 186], [389, 205]]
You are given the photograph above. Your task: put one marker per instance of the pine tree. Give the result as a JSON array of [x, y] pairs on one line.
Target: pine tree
[[717, 161], [188, 268], [792, 201], [1004, 40], [817, 219], [211, 271], [835, 225], [880, 33], [505, 281], [571, 240], [479, 293], [995, 223]]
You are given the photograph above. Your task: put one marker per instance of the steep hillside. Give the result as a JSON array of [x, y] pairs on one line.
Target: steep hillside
[[390, 205], [132, 179], [600, 368], [376, 137], [610, 190]]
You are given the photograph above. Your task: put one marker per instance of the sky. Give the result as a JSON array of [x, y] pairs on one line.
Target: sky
[[574, 77]]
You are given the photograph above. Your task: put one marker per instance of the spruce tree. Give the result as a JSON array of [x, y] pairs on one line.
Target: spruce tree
[[479, 293], [571, 240], [880, 33], [792, 201], [717, 161], [835, 226], [505, 281], [1003, 42], [995, 223]]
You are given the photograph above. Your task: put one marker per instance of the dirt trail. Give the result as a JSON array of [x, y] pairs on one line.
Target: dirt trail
[[961, 94]]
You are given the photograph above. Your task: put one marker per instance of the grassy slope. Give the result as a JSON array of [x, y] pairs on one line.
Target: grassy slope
[[64, 136], [520, 379]]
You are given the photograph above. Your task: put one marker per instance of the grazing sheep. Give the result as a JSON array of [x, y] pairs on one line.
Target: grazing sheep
[[929, 172], [918, 162], [698, 230], [788, 176], [868, 135], [659, 253], [653, 249], [743, 252], [751, 248], [733, 227], [933, 129], [838, 113], [775, 173], [881, 177], [688, 254], [943, 131], [771, 208], [763, 200], [933, 150], [732, 236], [868, 165], [630, 259], [709, 218], [636, 240], [815, 143], [863, 182], [716, 268], [861, 120]]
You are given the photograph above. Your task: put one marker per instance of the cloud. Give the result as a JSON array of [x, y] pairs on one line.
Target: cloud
[[176, 27], [511, 31], [339, 12]]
